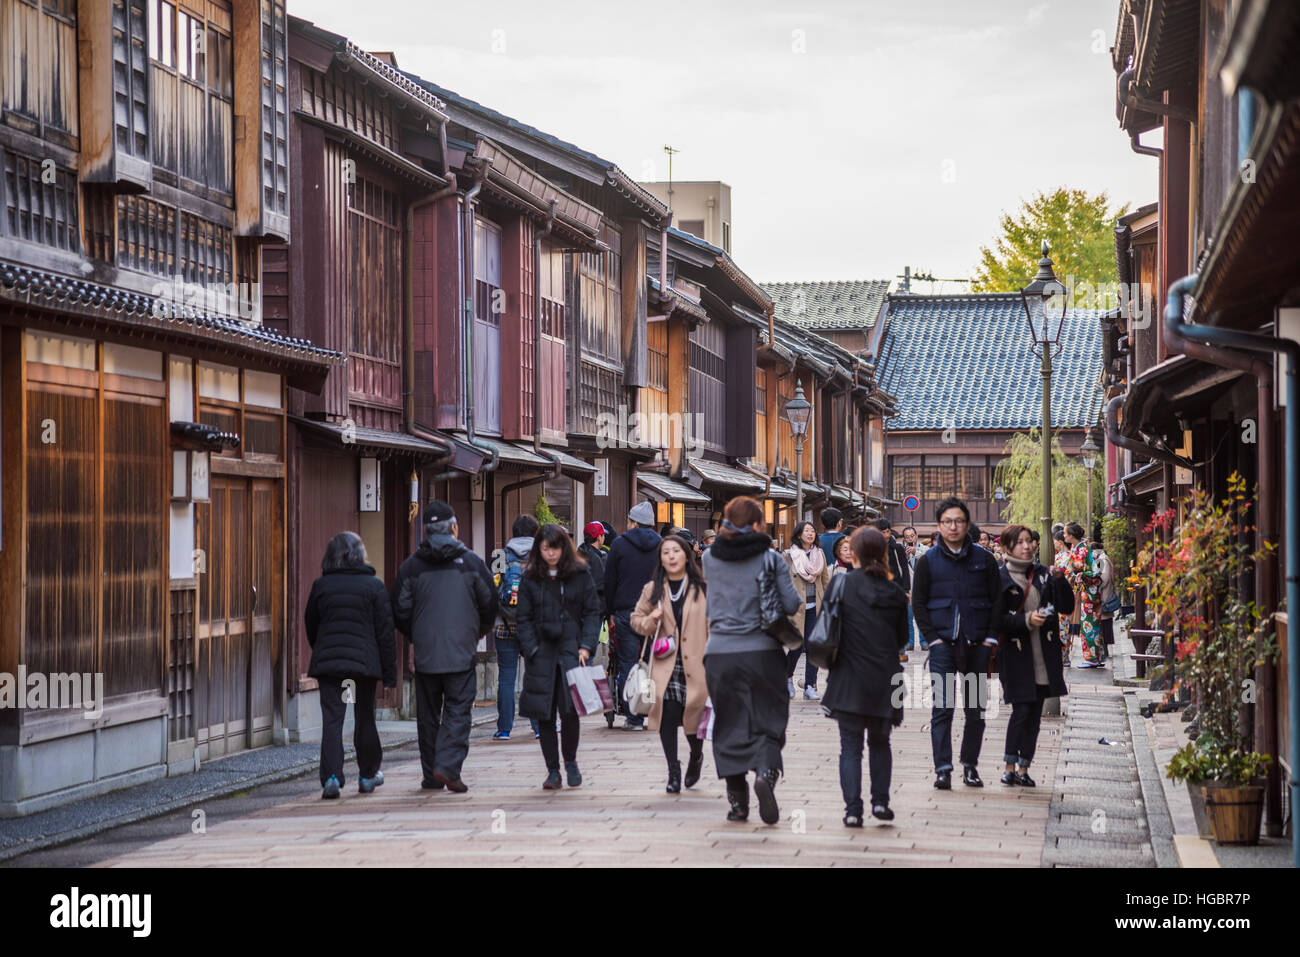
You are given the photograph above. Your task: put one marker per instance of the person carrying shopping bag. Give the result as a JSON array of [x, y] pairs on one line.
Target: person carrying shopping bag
[[673, 616]]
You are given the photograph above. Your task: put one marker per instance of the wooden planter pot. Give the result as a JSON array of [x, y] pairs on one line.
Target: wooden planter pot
[[1203, 826], [1235, 813]]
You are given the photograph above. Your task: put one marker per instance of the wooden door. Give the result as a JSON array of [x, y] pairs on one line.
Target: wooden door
[[489, 306], [238, 615]]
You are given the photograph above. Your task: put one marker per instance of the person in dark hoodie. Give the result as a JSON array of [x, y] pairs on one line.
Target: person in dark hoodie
[[631, 564], [511, 563], [350, 629], [443, 601], [595, 554], [866, 674]]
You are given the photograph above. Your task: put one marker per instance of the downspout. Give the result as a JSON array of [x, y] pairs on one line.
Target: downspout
[[767, 491], [1115, 437], [1176, 326], [471, 295], [524, 483], [537, 335], [1125, 81]]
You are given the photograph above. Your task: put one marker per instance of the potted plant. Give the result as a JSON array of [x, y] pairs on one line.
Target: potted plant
[[1191, 581]]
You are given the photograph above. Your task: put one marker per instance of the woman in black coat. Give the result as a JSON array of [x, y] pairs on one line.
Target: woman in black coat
[[867, 675], [350, 629], [1029, 647], [558, 626]]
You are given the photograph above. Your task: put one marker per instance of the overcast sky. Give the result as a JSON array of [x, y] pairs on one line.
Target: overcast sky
[[858, 136]]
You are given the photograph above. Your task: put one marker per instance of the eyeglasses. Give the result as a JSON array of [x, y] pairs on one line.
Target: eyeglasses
[[954, 522]]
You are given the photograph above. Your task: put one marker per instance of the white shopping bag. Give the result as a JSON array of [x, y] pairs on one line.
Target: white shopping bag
[[705, 730], [589, 689]]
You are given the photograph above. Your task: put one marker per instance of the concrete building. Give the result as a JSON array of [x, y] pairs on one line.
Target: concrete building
[[699, 207]]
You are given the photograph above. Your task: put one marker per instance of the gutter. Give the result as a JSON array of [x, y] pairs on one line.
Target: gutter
[[537, 343], [1176, 327], [471, 294], [1115, 437], [1125, 85], [767, 489]]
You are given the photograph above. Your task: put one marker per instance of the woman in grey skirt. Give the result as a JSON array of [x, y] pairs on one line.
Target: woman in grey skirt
[[745, 667]]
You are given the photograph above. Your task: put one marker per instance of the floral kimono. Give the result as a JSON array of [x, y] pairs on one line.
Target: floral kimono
[[1085, 576]]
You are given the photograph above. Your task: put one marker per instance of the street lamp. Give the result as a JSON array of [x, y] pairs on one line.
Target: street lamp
[[1044, 302], [798, 410], [1089, 452]]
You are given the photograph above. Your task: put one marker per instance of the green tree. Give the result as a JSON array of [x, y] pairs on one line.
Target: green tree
[[1021, 478], [1079, 230]]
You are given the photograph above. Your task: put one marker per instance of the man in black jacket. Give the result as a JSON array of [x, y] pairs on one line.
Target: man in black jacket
[[632, 561], [444, 602], [957, 600]]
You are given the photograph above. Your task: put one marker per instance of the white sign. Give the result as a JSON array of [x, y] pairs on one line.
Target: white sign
[[370, 485], [1182, 476], [199, 474], [600, 481]]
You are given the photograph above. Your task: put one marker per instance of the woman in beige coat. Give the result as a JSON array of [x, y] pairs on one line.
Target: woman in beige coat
[[672, 604], [810, 575]]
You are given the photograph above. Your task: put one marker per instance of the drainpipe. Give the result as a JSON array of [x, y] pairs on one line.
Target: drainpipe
[[442, 150], [1115, 437], [1253, 342], [1125, 81], [767, 492], [537, 333], [471, 295], [524, 483]]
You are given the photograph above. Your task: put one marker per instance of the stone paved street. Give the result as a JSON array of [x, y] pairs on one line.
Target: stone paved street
[[621, 812]]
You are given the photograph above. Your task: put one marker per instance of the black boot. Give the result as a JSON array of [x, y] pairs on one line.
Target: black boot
[[739, 801], [765, 788], [694, 766], [674, 778]]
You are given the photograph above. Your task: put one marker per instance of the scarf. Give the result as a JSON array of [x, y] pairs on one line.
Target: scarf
[[1020, 570], [807, 565]]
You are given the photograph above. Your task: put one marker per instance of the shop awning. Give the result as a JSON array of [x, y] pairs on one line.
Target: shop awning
[[663, 489], [570, 465], [725, 475], [377, 443]]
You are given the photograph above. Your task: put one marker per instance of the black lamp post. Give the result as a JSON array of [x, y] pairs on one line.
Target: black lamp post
[[1045, 305], [1089, 451], [798, 410]]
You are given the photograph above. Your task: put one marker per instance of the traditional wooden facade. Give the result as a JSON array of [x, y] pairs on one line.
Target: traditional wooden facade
[[142, 436], [1220, 81]]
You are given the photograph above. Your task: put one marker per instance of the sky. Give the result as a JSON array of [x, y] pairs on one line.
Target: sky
[[858, 136]]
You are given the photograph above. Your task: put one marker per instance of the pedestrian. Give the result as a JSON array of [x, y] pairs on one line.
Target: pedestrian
[[743, 665], [912, 545], [1085, 576], [900, 570], [559, 625], [983, 538], [832, 528], [957, 598], [1029, 660], [350, 629], [861, 687], [845, 561], [444, 601], [810, 576], [707, 540], [514, 559], [1060, 567], [1105, 616], [595, 554], [673, 605], [631, 563]]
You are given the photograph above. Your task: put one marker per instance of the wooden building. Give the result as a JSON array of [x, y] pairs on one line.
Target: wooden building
[[966, 382], [1221, 82], [142, 398]]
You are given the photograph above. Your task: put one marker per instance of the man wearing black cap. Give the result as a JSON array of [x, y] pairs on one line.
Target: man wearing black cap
[[444, 602]]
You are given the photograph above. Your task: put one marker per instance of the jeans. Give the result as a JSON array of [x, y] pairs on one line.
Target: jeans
[[911, 631], [365, 735], [879, 760], [947, 686], [629, 649], [444, 705], [507, 683], [1022, 729], [792, 656], [568, 743]]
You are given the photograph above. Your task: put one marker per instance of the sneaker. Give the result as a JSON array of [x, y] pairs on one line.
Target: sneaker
[[810, 693], [789, 687], [881, 812], [367, 785], [1086, 664], [629, 726], [537, 735], [852, 820], [378, 778], [501, 736], [552, 782], [574, 775], [331, 788]]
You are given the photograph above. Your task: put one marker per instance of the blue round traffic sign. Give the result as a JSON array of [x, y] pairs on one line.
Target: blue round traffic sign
[[911, 503]]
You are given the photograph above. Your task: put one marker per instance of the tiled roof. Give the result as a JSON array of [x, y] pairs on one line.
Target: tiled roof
[[725, 475], [669, 490], [964, 362], [850, 304]]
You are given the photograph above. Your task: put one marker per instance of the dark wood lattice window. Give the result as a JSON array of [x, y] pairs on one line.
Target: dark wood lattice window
[[38, 68], [600, 297], [131, 77], [275, 108], [40, 201], [206, 251], [374, 262], [98, 235], [657, 356], [708, 388], [146, 235], [600, 392]]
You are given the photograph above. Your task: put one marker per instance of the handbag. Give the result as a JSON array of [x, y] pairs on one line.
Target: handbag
[[1111, 604], [705, 730], [772, 619], [664, 646], [824, 641], [639, 691]]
